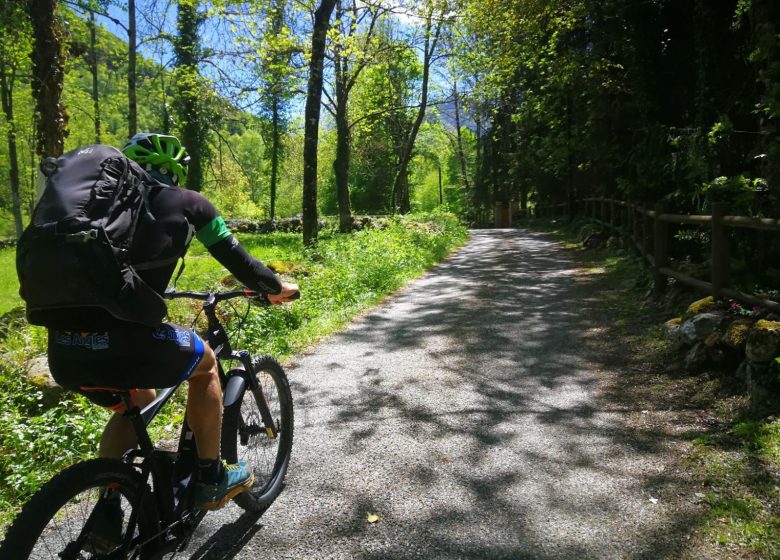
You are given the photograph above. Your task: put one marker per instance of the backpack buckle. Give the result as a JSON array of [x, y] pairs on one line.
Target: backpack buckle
[[82, 236]]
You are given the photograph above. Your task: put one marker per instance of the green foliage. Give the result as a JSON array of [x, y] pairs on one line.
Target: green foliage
[[9, 293], [737, 467], [346, 274], [649, 100]]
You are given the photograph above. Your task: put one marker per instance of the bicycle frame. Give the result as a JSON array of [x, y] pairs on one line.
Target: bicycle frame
[[171, 472]]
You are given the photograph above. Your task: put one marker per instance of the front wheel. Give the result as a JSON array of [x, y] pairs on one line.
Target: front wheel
[[84, 512], [265, 449]]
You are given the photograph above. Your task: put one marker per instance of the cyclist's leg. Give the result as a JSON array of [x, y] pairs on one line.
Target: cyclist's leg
[[118, 435], [204, 405], [218, 482]]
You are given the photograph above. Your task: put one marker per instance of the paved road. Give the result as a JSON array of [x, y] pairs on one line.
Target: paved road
[[465, 413]]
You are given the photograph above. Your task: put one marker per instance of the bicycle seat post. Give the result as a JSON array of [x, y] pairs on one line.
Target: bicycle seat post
[[133, 413]]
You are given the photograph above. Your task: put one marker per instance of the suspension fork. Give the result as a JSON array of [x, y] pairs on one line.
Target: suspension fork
[[253, 385]]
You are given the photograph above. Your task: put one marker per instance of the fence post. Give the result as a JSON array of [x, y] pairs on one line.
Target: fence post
[[720, 249], [660, 249], [612, 213], [646, 238]]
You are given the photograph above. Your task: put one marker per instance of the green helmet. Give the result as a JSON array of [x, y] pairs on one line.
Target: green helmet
[[159, 153]]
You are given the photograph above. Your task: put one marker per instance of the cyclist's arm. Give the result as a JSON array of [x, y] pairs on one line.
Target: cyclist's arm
[[210, 229]]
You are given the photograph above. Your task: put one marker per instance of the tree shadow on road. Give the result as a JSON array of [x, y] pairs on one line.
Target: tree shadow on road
[[535, 458]]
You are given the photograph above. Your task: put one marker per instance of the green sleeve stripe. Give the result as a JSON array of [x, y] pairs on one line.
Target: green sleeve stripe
[[213, 232]]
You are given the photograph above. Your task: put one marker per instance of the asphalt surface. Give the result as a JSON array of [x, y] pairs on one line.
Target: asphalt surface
[[464, 412]]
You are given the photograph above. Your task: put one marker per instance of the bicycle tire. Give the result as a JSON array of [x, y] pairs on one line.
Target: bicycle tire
[[268, 458], [50, 522]]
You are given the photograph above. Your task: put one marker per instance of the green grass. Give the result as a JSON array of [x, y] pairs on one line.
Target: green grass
[[741, 466], [737, 463], [9, 285], [345, 275]]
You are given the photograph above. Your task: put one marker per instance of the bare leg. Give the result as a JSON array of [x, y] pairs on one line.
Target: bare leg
[[204, 406], [118, 435], [204, 414]]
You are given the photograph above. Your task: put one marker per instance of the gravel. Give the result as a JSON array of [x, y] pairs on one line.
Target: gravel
[[465, 413]]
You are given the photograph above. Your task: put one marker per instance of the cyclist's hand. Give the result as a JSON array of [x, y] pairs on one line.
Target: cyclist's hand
[[289, 293]]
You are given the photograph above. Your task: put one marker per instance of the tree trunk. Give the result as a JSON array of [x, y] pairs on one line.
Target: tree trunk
[[47, 78], [342, 161], [7, 76], [132, 99], [275, 144], [461, 156], [401, 184], [189, 91], [93, 64], [441, 192], [312, 120]]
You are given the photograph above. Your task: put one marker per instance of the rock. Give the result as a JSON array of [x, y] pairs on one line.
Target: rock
[[742, 371], [763, 341], [673, 334], [696, 358], [737, 333], [761, 381], [37, 373], [715, 355], [712, 339], [700, 326], [699, 306]]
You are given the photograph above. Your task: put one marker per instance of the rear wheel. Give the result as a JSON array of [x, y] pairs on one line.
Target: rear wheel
[[245, 437], [62, 520]]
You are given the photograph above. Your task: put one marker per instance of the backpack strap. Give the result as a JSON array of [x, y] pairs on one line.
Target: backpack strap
[[158, 263]]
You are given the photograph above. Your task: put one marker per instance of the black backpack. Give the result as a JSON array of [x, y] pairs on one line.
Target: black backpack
[[76, 251]]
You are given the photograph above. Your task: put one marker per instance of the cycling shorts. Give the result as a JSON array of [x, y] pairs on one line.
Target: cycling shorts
[[127, 357]]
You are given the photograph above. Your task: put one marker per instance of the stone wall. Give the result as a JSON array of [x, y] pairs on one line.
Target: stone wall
[[746, 343]]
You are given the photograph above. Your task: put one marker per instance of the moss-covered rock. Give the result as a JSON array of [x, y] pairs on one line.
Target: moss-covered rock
[[672, 331], [699, 306], [38, 375], [767, 325], [736, 334], [763, 343]]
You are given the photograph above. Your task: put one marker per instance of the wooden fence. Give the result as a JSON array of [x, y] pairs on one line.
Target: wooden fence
[[651, 232]]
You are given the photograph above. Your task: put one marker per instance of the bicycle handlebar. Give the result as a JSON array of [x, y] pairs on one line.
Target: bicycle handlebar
[[214, 296]]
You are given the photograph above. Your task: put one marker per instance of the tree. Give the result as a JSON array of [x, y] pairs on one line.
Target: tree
[[459, 136], [351, 52], [434, 19], [13, 46], [278, 79], [93, 60], [383, 108], [48, 64], [132, 55], [312, 119], [190, 94]]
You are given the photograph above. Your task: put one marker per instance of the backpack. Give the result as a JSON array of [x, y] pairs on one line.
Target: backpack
[[76, 251]]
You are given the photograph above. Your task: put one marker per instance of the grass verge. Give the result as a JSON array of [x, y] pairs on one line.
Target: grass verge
[[342, 277], [730, 451]]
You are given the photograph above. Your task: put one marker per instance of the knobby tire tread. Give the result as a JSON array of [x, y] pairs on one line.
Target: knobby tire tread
[[259, 500], [27, 527]]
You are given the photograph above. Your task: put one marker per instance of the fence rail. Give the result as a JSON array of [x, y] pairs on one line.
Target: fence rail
[[650, 232]]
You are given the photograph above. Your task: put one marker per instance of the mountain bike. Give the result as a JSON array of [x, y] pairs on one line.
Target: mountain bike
[[154, 487]]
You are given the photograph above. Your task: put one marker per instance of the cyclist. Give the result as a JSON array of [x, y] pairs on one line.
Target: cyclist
[[90, 349]]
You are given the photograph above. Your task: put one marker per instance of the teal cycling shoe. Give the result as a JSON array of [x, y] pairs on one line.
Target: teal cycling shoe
[[235, 479]]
